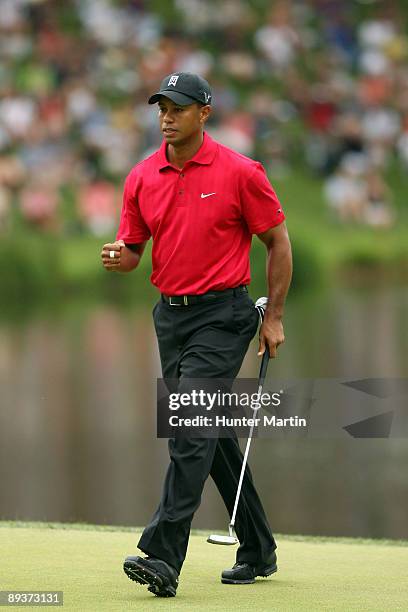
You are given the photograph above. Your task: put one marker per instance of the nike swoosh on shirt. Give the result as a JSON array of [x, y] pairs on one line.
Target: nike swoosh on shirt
[[206, 195]]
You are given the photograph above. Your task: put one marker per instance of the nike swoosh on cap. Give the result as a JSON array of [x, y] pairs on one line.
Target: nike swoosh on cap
[[206, 195]]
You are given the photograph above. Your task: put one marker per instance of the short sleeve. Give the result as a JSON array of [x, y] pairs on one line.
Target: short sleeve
[[260, 206], [132, 227]]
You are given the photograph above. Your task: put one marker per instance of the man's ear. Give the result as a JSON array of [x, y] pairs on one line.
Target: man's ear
[[205, 113]]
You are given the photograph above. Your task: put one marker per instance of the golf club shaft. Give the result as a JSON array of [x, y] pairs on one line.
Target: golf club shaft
[[262, 374]]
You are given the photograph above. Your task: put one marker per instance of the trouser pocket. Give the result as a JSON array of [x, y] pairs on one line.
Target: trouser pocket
[[245, 316]]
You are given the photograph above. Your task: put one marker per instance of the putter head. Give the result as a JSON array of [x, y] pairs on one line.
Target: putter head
[[224, 540], [260, 305]]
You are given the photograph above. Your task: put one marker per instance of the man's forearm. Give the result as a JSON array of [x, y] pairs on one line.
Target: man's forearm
[[279, 275], [130, 257]]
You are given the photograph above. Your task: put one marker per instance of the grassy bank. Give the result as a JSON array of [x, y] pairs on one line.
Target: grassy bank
[[38, 265], [338, 248], [86, 563]]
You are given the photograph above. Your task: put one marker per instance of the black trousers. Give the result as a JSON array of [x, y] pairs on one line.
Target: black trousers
[[205, 340]]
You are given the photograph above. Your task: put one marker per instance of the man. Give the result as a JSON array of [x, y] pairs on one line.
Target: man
[[201, 202]]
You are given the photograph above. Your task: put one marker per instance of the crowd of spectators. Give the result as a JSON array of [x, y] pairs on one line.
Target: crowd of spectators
[[295, 82]]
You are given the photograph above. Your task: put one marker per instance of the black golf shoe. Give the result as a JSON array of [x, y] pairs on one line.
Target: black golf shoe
[[243, 573], [161, 578]]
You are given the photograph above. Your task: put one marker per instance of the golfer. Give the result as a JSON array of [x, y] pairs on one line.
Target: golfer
[[201, 202]]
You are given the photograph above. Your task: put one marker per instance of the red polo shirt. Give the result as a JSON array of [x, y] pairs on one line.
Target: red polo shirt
[[201, 218]]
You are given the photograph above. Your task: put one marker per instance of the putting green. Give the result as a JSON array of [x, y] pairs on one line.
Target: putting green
[[314, 574]]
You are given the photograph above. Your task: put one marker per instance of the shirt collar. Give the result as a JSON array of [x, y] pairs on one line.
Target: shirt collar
[[205, 154]]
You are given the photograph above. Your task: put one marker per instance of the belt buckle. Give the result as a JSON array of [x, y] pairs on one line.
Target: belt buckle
[[171, 304]]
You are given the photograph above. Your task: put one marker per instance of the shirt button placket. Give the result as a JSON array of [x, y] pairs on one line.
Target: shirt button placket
[[180, 192]]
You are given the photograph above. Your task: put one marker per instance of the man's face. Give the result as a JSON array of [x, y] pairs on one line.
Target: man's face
[[179, 123]]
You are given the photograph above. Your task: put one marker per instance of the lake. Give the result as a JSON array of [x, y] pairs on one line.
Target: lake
[[78, 425]]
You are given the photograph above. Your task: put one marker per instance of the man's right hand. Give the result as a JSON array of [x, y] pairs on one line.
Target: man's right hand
[[116, 257]]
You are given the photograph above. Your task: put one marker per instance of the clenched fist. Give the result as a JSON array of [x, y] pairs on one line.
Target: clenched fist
[[116, 257]]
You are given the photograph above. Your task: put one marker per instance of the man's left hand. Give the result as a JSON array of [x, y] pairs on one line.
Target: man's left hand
[[271, 334]]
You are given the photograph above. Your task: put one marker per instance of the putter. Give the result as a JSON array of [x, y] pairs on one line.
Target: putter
[[231, 538]]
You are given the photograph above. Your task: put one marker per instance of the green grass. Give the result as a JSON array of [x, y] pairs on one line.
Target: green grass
[[86, 563], [46, 267], [317, 238], [332, 246], [337, 244]]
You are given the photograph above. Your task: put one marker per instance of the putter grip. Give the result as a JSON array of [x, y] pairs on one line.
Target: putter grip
[[264, 366]]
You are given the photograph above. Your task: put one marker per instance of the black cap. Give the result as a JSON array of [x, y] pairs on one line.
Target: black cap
[[183, 88]]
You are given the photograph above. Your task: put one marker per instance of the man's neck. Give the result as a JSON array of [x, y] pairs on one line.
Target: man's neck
[[179, 155]]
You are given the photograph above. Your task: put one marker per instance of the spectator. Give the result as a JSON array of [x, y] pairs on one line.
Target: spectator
[[39, 206], [98, 207], [345, 190], [378, 211], [279, 41], [74, 78]]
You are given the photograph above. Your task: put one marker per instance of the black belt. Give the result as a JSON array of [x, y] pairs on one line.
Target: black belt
[[188, 300]]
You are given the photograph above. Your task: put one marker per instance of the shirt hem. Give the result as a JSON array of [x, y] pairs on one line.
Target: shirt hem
[[265, 226], [132, 239]]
